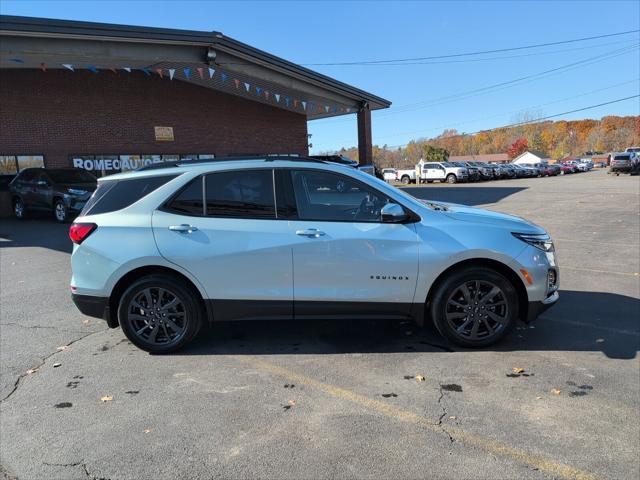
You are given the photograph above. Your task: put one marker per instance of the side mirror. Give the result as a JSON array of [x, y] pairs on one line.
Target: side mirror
[[393, 213]]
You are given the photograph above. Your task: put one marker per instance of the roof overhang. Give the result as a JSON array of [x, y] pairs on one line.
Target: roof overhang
[[209, 59]]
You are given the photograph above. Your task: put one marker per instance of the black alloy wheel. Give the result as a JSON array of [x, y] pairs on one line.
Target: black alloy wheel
[[160, 314], [475, 307]]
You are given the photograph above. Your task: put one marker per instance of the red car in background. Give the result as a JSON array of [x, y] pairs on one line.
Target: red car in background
[[566, 168]]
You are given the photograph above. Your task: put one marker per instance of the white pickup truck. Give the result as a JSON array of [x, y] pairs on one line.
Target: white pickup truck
[[433, 171]]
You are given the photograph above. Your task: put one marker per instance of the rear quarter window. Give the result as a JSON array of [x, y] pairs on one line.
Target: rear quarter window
[[113, 195]]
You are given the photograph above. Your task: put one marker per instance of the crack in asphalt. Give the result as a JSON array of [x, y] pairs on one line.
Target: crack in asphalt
[[444, 414], [81, 463], [48, 327], [38, 367]]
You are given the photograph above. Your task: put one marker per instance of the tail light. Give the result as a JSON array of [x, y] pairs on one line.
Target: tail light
[[78, 232]]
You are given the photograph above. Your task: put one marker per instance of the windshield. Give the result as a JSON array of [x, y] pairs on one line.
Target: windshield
[[622, 157], [71, 175]]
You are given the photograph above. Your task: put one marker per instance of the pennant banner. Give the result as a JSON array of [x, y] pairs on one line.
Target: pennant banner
[[289, 102]]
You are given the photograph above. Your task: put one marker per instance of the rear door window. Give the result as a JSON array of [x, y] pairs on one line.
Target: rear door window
[[240, 194], [188, 201], [113, 195]]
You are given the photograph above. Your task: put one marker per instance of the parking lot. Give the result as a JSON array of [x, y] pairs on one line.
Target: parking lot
[[557, 399]]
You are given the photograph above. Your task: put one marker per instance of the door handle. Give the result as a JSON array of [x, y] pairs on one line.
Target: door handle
[[184, 228], [310, 232]]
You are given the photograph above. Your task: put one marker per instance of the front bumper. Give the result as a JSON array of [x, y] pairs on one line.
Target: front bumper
[[535, 309], [96, 307]]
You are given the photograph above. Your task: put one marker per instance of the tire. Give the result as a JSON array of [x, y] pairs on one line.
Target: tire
[[405, 180], [19, 209], [60, 212], [167, 329], [451, 178], [450, 302]]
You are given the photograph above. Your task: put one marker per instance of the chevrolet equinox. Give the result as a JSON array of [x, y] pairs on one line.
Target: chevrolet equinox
[[167, 248]]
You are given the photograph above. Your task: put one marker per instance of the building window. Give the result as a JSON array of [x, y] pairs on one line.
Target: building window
[[12, 164]]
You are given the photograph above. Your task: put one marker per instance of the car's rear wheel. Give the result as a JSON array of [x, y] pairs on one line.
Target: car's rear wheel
[[474, 307], [405, 179], [160, 314], [60, 211], [19, 209]]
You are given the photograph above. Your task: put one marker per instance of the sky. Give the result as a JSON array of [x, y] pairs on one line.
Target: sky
[[427, 96]]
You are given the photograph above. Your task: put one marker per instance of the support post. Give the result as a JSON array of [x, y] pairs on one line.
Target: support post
[[365, 148]]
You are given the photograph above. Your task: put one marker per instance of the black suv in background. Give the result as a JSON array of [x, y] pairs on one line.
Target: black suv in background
[[63, 191]]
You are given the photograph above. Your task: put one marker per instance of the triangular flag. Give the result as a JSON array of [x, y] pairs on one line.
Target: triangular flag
[[146, 71], [295, 103], [304, 105], [258, 90], [224, 77], [91, 68], [127, 69], [348, 109], [113, 70], [200, 72], [247, 87], [68, 66], [237, 82], [311, 106], [172, 72], [277, 95], [186, 71], [287, 100], [326, 108], [43, 67], [159, 70], [266, 94], [211, 72]]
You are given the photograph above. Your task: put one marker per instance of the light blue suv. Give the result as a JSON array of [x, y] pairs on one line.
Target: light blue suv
[[165, 249]]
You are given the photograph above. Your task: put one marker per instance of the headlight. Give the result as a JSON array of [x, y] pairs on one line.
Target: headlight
[[541, 241], [75, 191]]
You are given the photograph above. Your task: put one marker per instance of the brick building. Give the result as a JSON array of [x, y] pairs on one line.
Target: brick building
[[113, 97]]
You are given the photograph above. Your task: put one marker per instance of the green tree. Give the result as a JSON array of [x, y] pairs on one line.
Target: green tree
[[434, 154]]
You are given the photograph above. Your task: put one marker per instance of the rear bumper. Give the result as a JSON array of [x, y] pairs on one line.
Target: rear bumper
[[535, 309], [96, 307]]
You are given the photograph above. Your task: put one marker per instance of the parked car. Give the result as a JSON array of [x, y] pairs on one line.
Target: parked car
[[62, 191], [485, 170], [566, 168], [406, 176], [473, 171], [623, 162], [521, 172], [143, 257], [533, 169], [443, 172], [389, 174]]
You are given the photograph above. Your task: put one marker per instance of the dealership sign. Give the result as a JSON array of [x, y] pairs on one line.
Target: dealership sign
[[114, 164]]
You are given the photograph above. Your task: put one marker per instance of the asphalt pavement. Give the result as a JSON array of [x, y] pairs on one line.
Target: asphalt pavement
[[557, 399]]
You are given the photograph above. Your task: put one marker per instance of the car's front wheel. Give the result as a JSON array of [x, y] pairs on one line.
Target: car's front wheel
[[160, 314], [474, 307], [451, 178]]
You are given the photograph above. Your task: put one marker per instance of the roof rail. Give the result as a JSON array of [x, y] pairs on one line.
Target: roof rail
[[265, 157]]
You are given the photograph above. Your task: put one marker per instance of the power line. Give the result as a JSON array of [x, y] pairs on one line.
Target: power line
[[454, 55], [502, 57], [499, 86]]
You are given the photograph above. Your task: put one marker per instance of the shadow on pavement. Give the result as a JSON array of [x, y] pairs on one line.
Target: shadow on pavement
[[465, 195], [582, 321], [39, 230]]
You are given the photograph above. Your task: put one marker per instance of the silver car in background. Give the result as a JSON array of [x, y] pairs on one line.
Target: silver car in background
[[164, 250]]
